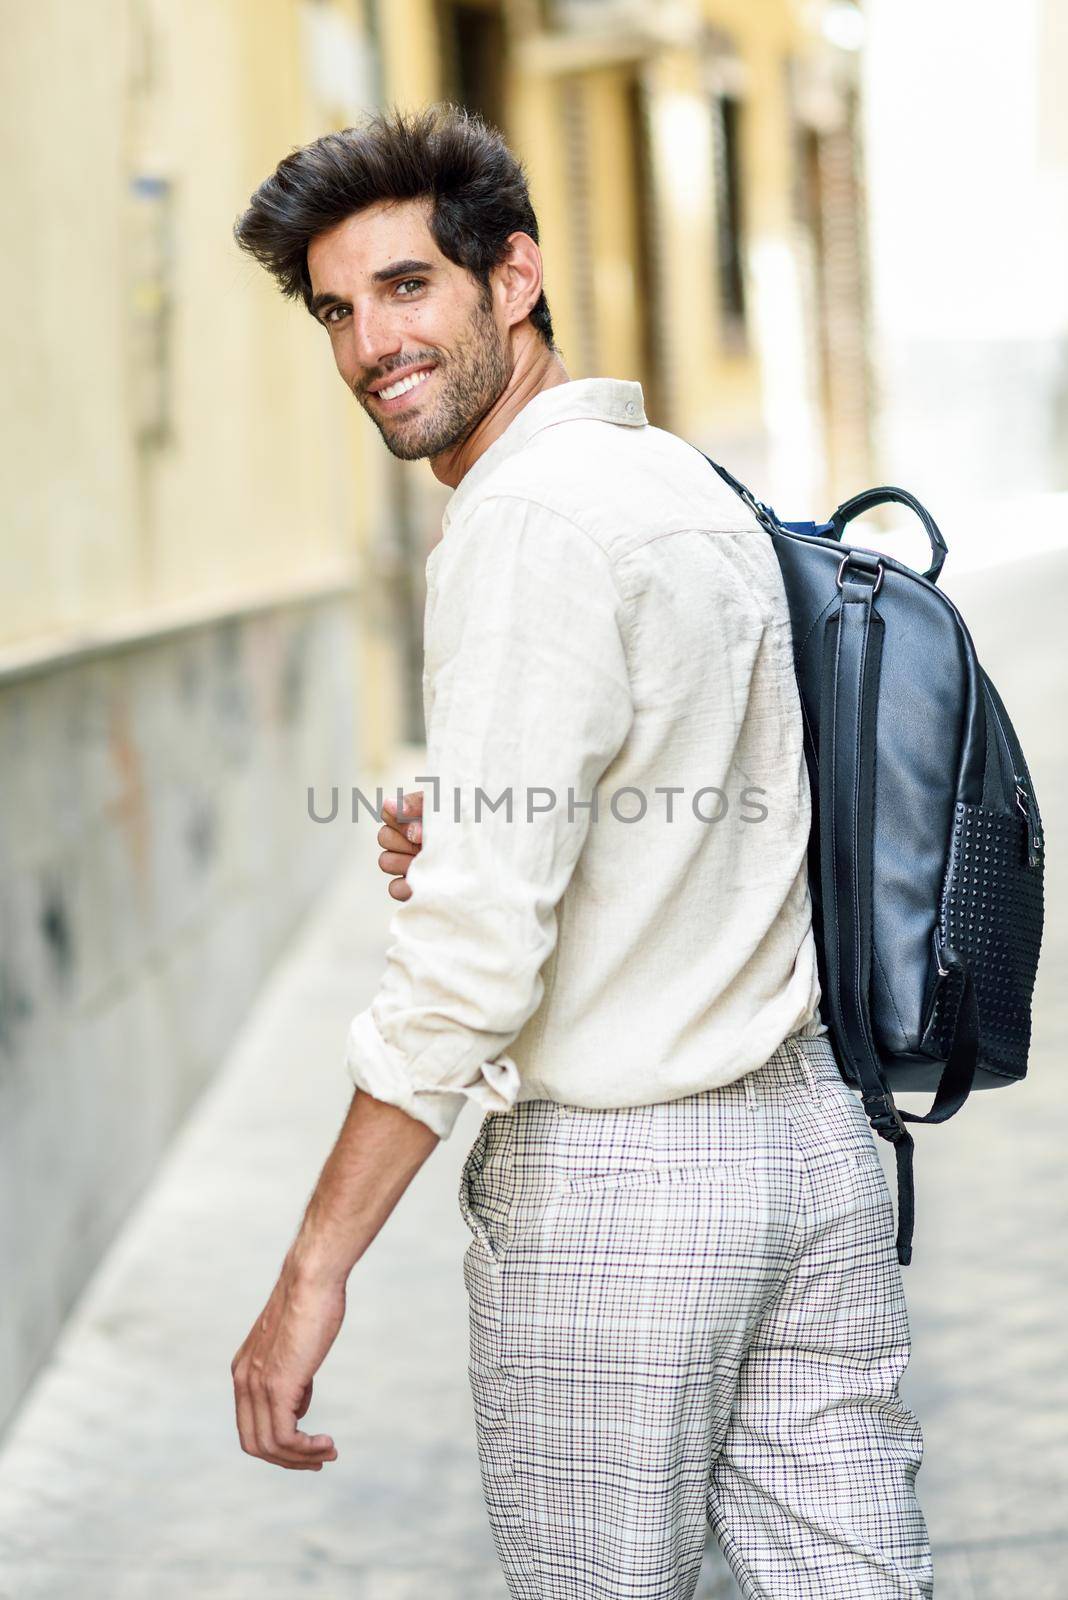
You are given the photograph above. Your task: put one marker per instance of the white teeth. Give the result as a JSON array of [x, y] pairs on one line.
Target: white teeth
[[403, 386]]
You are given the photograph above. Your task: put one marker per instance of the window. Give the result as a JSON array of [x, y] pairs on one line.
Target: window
[[654, 342], [729, 219], [472, 37]]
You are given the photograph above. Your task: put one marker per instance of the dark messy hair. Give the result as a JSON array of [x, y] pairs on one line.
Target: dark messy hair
[[445, 153]]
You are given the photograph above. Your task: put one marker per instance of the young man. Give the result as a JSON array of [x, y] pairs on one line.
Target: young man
[[686, 1305]]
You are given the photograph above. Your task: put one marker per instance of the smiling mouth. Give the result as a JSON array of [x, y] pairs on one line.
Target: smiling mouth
[[394, 393]]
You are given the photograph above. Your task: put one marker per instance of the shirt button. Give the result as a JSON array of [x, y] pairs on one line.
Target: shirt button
[[631, 408]]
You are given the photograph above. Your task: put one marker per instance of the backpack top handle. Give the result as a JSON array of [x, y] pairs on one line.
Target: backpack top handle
[[870, 498]]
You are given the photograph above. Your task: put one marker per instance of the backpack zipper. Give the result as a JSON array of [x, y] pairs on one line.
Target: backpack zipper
[[1027, 805], [1013, 748], [1024, 796]]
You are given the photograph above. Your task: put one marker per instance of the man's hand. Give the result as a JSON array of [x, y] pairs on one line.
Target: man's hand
[[400, 842], [274, 1369], [377, 1153]]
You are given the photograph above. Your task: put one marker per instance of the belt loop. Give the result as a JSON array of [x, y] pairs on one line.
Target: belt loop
[[806, 1064], [750, 1091]]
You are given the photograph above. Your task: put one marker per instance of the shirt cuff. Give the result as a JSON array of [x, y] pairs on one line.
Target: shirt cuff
[[383, 1071]]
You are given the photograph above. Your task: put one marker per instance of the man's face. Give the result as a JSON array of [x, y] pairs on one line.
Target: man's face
[[393, 305]]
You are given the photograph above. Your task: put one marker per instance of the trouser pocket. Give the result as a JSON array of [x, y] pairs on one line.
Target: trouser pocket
[[472, 1163], [487, 1183]]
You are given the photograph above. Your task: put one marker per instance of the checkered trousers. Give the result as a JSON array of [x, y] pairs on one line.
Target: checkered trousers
[[691, 1314]]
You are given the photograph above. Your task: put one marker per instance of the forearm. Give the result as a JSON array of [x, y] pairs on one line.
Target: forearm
[[375, 1157]]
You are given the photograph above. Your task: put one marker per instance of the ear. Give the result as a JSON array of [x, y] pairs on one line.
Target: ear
[[519, 277]]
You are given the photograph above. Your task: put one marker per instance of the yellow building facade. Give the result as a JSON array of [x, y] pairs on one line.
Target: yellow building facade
[[177, 441]]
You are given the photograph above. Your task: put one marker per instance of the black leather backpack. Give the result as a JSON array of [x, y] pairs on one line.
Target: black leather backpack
[[926, 853]]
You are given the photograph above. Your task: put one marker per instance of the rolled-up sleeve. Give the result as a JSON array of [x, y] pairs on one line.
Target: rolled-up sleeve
[[528, 698]]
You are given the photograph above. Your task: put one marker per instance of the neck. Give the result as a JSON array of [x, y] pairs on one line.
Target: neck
[[536, 368]]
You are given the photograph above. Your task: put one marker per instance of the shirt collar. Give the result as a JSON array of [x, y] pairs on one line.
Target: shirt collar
[[605, 399]]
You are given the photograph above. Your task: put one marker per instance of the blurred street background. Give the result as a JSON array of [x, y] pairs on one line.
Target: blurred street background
[[831, 242]]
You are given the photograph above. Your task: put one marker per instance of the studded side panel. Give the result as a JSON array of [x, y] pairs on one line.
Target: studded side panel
[[991, 914]]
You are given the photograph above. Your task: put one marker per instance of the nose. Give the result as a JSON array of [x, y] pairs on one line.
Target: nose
[[375, 336]]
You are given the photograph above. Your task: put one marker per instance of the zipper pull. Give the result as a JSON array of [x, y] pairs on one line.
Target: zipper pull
[[1027, 805]]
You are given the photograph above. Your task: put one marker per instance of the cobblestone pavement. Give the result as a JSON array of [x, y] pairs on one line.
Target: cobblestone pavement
[[122, 1476]]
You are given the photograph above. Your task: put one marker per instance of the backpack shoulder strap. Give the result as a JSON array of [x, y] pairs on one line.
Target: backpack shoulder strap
[[849, 694], [852, 648]]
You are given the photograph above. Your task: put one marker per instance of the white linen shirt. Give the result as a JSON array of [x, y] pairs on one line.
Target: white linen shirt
[[603, 617]]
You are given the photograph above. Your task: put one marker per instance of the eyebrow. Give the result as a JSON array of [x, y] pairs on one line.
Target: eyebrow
[[396, 269]]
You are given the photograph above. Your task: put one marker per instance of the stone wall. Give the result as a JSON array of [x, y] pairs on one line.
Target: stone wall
[[155, 853]]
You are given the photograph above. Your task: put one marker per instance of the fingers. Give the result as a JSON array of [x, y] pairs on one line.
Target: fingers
[[413, 806], [399, 889], [266, 1423], [391, 853], [246, 1419], [410, 829], [406, 843], [394, 865], [290, 1441], [398, 848]]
